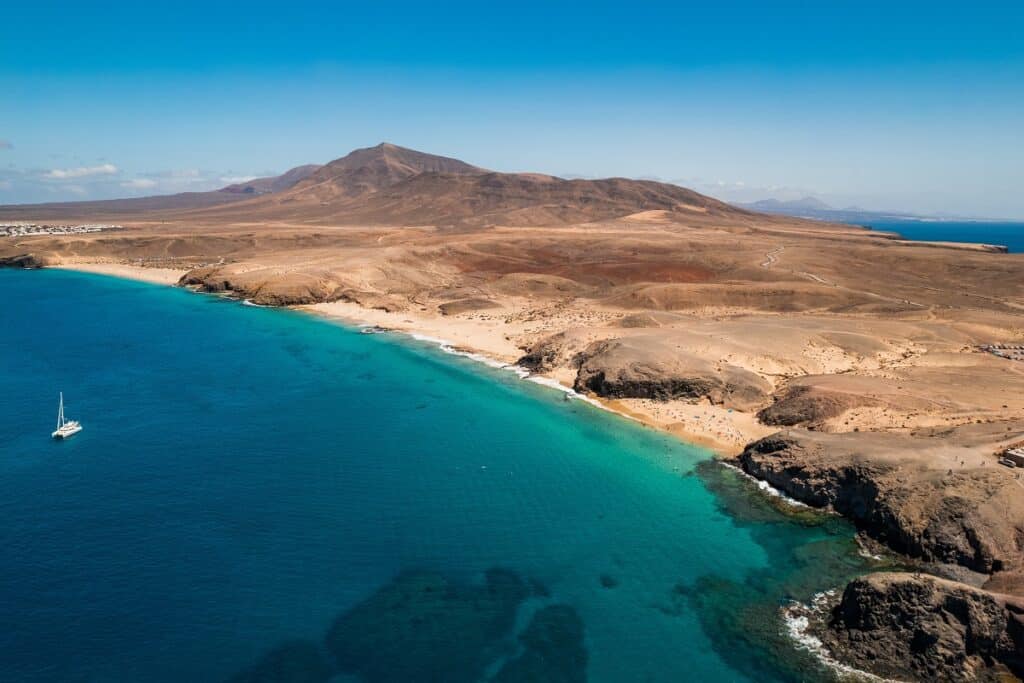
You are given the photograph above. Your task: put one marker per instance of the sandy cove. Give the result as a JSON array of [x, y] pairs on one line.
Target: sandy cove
[[871, 380], [721, 430], [156, 276], [716, 428]]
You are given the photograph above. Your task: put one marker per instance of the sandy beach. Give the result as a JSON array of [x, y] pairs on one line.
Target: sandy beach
[[157, 276], [717, 428], [721, 430]]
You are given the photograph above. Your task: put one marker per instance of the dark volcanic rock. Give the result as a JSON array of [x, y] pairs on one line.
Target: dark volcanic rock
[[207, 278], [23, 261], [970, 518], [640, 367], [662, 388], [426, 627], [267, 288], [544, 354], [929, 628], [809, 405]]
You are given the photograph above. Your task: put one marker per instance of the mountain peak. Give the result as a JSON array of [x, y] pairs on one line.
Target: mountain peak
[[413, 161], [370, 169]]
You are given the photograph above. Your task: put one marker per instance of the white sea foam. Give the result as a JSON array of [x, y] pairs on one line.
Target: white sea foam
[[798, 619], [524, 374], [768, 488], [867, 554], [568, 391], [449, 347]]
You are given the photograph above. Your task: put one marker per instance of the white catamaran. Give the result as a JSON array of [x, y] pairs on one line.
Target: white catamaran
[[65, 428]]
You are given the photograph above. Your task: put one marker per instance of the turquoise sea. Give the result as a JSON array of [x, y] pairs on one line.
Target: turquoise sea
[[259, 495], [1008, 234]]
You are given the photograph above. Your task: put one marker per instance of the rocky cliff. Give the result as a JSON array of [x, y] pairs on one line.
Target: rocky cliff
[[923, 496], [23, 261], [264, 288], [900, 625], [971, 517], [626, 368]]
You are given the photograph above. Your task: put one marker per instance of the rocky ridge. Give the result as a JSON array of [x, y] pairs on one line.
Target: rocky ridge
[[936, 630]]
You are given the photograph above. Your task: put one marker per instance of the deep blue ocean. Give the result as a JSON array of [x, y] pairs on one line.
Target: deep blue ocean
[[1010, 235], [264, 495]]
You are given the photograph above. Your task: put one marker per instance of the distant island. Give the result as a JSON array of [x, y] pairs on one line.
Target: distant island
[[812, 207]]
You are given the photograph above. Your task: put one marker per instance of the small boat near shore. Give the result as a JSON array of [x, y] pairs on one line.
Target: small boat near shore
[[65, 427]]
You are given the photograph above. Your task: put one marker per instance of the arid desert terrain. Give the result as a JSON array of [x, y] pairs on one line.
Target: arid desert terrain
[[843, 366]]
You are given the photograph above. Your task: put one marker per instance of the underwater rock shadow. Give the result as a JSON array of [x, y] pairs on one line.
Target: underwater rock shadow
[[424, 626], [807, 550], [295, 661]]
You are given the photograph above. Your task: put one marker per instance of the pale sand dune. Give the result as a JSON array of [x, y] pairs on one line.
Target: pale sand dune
[[485, 337], [158, 276]]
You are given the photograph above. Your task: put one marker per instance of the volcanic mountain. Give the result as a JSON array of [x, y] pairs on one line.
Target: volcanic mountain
[[273, 183], [392, 185]]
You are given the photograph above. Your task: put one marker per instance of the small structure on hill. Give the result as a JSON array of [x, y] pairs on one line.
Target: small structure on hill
[[1013, 457]]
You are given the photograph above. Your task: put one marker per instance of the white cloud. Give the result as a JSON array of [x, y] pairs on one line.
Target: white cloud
[[81, 172], [179, 173], [232, 180], [139, 184], [741, 191]]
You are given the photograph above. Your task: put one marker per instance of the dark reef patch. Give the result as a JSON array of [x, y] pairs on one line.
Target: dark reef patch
[[553, 649], [297, 661], [425, 626], [746, 629]]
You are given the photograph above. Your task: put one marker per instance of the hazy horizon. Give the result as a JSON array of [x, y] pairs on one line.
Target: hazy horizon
[[917, 109]]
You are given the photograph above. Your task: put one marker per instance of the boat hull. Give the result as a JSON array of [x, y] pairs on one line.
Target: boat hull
[[67, 431]]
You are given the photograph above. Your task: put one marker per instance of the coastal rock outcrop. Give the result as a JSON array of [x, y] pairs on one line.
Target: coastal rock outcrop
[[807, 405], [267, 288], [468, 305], [896, 625], [274, 287], [640, 367], [899, 493], [545, 354], [24, 261]]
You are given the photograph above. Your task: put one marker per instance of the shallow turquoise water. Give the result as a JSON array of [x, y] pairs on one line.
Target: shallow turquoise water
[[247, 475]]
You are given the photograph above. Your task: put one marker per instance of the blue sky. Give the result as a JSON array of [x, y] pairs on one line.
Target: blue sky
[[908, 105]]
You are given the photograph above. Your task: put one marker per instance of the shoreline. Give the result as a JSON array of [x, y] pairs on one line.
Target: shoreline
[[722, 431], [156, 276], [795, 630], [636, 410], [427, 352], [488, 345]]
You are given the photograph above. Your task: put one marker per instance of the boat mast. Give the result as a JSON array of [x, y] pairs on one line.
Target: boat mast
[[60, 412]]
